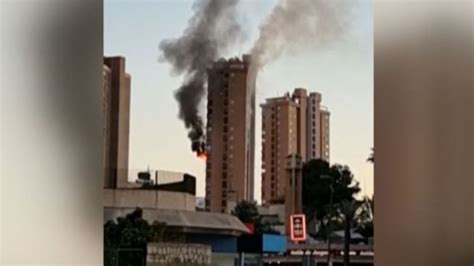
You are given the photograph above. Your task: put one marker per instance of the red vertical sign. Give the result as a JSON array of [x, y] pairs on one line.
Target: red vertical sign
[[298, 227]]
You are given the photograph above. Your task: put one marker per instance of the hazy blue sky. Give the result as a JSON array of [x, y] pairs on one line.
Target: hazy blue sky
[[342, 72]]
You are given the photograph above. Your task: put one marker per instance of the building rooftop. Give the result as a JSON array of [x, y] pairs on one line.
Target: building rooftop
[[186, 221]]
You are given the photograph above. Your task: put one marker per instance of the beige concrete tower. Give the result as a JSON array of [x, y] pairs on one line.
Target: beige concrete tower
[[325, 118], [230, 134], [279, 139], [291, 125], [116, 103], [294, 186], [313, 150]]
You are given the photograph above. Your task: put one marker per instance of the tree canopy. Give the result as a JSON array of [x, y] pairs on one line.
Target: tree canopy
[[247, 212], [318, 176], [131, 234]]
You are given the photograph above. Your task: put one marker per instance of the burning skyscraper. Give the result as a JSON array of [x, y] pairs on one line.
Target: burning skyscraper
[[230, 134]]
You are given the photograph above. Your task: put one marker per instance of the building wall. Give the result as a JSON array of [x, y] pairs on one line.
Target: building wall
[[106, 115], [275, 210], [325, 135], [119, 122], [168, 176], [300, 97], [154, 199], [229, 168], [178, 254], [290, 125], [314, 126], [294, 187], [279, 138]]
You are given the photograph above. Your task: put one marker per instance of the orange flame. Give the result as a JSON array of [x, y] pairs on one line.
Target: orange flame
[[202, 156]]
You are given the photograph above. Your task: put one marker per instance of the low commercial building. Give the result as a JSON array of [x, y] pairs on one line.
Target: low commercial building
[[175, 205], [180, 195], [274, 214]]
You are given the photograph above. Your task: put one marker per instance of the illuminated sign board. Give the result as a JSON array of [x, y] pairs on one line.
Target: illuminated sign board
[[297, 227], [322, 253]]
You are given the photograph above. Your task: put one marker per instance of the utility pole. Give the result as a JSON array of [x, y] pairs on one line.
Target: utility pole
[[331, 196]]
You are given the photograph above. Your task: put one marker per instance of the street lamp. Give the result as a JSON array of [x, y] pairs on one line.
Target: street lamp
[[331, 195]]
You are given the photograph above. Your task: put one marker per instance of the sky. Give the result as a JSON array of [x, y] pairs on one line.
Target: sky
[[342, 72]]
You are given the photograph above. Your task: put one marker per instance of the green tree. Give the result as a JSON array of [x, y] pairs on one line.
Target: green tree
[[364, 221], [355, 214], [247, 212], [318, 177], [131, 233], [348, 211]]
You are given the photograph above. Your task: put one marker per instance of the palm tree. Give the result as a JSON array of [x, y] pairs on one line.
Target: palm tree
[[354, 213], [364, 220]]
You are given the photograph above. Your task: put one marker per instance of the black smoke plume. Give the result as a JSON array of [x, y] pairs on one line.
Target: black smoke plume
[[211, 30]]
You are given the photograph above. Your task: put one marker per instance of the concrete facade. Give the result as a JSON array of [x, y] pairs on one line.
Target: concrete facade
[[279, 138], [294, 187], [275, 215], [314, 126], [149, 199], [230, 134], [165, 254], [116, 102], [106, 115], [292, 124], [325, 134]]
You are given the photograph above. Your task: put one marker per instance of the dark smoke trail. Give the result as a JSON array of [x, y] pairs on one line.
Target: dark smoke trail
[[211, 30], [294, 25]]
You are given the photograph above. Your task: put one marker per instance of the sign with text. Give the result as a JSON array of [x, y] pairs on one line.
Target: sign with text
[[298, 227]]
